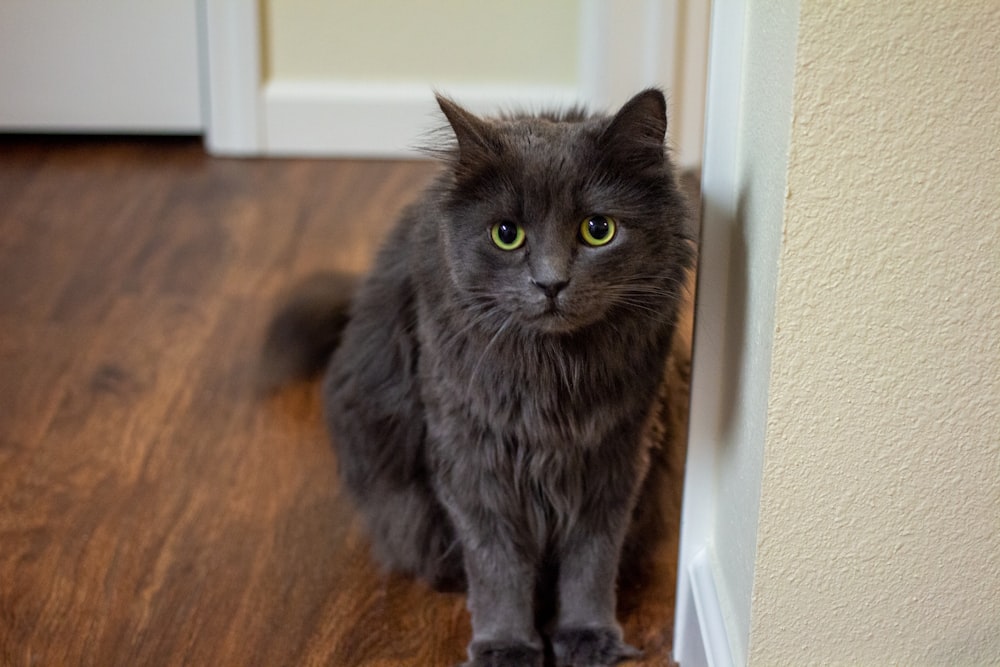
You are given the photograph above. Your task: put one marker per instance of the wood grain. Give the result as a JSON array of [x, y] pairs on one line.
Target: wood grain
[[153, 511]]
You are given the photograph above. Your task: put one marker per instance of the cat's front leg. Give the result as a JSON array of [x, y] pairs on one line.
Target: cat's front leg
[[587, 632], [501, 597]]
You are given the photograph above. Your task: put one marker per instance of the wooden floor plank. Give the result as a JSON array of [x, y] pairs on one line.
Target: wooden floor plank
[[153, 509]]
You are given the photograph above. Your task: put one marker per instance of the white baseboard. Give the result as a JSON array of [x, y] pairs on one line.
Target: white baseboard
[[700, 636], [390, 120]]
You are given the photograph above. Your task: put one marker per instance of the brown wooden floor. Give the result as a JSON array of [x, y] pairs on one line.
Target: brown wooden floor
[[152, 510]]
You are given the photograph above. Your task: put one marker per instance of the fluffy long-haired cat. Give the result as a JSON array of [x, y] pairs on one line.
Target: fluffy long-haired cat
[[492, 377]]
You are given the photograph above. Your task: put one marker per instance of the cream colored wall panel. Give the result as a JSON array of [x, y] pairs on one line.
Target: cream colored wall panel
[[879, 533], [355, 78], [378, 120], [454, 41]]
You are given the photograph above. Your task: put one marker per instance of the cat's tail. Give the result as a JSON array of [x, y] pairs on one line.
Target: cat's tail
[[305, 329]]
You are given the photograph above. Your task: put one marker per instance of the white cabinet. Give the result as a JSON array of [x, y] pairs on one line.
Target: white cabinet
[[100, 65]]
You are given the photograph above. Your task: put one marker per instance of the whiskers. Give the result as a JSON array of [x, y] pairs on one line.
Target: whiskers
[[651, 297], [487, 325]]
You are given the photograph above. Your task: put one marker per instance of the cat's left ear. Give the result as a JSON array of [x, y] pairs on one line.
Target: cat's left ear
[[639, 128]]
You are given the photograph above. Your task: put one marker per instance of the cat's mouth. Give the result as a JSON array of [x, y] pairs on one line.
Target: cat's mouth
[[553, 318]]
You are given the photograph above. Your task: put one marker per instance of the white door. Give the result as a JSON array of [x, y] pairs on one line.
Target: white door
[[100, 66]]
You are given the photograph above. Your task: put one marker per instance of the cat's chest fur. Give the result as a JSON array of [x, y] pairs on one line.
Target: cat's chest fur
[[527, 421], [513, 389]]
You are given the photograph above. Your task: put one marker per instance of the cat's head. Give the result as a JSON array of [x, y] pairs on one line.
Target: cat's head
[[555, 221]]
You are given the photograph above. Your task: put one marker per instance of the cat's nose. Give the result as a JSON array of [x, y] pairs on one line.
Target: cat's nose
[[551, 288]]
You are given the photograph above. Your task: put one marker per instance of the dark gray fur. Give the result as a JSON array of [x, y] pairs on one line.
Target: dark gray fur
[[489, 433]]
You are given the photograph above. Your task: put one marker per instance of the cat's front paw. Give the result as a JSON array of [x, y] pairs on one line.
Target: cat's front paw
[[504, 654], [591, 647]]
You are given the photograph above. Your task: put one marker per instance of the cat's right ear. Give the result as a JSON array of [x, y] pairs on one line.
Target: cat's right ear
[[475, 136], [637, 131]]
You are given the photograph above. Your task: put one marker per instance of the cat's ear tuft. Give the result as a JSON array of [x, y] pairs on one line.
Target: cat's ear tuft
[[475, 136], [640, 125]]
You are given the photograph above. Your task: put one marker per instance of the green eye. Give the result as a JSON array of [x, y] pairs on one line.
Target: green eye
[[598, 230], [507, 235]]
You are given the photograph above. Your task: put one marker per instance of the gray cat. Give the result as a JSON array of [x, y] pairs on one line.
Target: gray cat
[[491, 378]]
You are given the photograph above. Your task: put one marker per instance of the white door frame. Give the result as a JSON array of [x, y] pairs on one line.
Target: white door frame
[[231, 76], [657, 43], [700, 635]]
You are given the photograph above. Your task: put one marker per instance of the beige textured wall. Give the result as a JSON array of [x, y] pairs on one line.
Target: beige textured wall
[[879, 529], [454, 41]]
